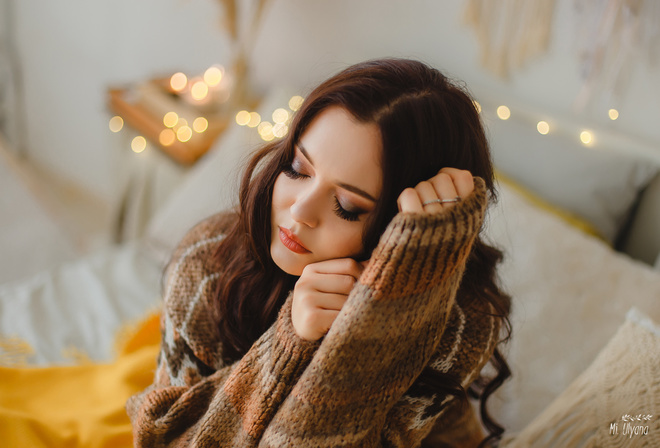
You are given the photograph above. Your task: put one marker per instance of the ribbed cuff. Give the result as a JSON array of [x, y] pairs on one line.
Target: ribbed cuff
[[292, 346]]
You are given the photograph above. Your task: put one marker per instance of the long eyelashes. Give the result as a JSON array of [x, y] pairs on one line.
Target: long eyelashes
[[291, 173], [345, 214]]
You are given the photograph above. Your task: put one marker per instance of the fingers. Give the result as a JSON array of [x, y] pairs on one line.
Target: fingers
[[320, 293], [409, 201], [328, 283], [341, 266], [462, 179], [438, 193]]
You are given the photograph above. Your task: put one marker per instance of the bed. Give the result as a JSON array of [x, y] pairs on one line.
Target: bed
[[583, 314]]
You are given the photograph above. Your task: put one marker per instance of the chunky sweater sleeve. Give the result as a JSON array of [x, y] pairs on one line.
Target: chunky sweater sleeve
[[356, 390], [196, 400]]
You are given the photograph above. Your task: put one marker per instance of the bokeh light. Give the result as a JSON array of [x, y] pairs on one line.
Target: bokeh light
[[503, 112], [116, 123], [170, 119], [255, 119], [178, 81], [184, 133], [200, 124], [586, 138], [295, 102], [280, 130], [199, 90], [139, 144], [280, 115], [166, 137], [543, 127], [213, 76], [243, 117]]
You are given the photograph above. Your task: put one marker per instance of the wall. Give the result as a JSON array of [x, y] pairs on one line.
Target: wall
[[72, 51]]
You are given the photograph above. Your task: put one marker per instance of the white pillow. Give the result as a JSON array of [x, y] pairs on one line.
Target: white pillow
[[212, 184], [599, 185], [613, 403]]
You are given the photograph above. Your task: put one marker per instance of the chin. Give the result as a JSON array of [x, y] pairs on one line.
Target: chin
[[286, 260]]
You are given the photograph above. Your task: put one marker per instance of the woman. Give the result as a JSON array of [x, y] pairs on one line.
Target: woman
[[350, 300]]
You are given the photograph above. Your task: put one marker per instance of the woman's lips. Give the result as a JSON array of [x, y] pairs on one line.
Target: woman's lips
[[291, 242]]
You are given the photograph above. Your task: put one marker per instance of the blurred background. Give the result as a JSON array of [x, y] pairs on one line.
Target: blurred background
[[124, 123], [77, 179]]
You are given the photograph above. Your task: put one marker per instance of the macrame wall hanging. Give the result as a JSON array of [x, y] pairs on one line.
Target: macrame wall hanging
[[612, 37], [242, 21], [510, 32]]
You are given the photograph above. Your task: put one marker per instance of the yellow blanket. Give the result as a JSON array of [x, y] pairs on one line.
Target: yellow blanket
[[77, 406]]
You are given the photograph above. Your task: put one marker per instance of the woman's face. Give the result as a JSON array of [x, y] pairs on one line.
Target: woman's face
[[322, 201]]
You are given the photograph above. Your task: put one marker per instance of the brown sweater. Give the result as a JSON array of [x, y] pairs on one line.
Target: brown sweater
[[354, 387]]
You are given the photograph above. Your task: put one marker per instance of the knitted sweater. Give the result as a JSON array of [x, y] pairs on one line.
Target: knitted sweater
[[354, 387]]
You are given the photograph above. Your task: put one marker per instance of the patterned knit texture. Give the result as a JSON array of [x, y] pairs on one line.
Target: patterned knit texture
[[356, 387]]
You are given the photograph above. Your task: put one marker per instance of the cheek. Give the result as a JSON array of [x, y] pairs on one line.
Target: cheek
[[279, 193], [349, 241]]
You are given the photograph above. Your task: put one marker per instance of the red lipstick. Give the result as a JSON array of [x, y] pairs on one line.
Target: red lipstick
[[292, 242]]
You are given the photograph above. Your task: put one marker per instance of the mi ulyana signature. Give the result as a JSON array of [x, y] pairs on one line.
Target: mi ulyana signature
[[632, 425]]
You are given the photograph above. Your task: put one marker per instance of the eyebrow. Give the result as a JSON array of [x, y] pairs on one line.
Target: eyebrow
[[348, 187]]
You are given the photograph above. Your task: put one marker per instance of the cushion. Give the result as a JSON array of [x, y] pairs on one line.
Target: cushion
[[615, 402], [570, 218], [597, 184], [569, 292]]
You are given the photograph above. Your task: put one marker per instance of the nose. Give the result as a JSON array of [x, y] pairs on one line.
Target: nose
[[305, 208]]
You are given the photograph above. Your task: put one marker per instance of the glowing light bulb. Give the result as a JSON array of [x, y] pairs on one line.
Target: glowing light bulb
[[280, 115], [503, 112], [586, 138], [200, 124], [543, 127], [138, 144], [184, 133], [116, 123], [613, 113], [213, 76], [477, 106], [295, 102], [255, 119], [243, 117], [178, 81], [199, 90], [170, 119], [166, 137]]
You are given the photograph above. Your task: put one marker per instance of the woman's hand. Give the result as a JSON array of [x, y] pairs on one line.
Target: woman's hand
[[450, 185], [320, 293]]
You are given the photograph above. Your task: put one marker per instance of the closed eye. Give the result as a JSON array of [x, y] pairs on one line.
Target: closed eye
[[291, 173], [345, 214]]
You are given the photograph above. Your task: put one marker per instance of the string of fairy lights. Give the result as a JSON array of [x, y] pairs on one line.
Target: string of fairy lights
[[210, 88], [586, 137]]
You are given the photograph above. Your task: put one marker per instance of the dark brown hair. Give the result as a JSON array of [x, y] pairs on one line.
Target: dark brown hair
[[427, 122]]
